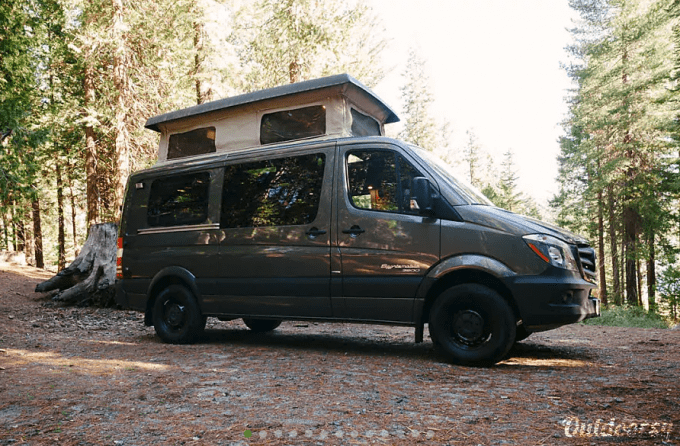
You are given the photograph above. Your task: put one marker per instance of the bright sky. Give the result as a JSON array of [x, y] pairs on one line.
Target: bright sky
[[494, 68]]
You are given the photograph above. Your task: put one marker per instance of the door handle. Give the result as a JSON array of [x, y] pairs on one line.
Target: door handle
[[353, 231], [315, 232]]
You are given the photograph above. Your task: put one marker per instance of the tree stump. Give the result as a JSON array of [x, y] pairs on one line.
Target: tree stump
[[92, 275]]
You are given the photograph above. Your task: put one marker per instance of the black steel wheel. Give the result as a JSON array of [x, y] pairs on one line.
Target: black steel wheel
[[472, 325], [176, 316], [261, 325]]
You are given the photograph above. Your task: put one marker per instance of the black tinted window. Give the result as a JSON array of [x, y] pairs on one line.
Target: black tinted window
[[179, 200], [288, 125], [380, 180], [194, 142], [277, 192]]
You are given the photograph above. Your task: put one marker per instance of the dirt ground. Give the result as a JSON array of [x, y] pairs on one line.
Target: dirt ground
[[89, 376]]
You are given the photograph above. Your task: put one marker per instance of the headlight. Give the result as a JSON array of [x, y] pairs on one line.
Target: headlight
[[552, 250]]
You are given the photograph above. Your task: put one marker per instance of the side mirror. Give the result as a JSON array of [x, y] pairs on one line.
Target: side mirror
[[422, 195]]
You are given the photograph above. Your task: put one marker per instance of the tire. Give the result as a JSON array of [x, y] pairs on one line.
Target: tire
[[176, 316], [472, 325], [261, 325]]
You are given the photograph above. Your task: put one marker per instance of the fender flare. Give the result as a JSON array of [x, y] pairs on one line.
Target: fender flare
[[172, 274], [477, 262]]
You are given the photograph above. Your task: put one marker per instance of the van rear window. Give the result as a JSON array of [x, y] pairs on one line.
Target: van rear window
[[277, 192], [179, 200]]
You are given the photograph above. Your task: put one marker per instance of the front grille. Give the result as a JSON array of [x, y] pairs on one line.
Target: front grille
[[588, 261]]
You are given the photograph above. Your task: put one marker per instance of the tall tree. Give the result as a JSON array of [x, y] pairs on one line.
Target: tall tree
[[621, 112], [279, 42]]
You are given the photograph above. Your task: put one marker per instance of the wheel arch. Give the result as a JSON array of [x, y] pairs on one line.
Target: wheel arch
[[464, 269], [173, 275]]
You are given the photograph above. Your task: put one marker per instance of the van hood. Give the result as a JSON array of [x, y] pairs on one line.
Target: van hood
[[506, 221]]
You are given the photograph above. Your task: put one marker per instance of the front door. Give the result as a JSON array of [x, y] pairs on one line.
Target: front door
[[274, 255], [385, 246]]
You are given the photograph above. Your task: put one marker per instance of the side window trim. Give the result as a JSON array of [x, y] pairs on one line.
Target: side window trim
[[183, 228]]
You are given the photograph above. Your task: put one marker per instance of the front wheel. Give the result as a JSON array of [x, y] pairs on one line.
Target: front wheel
[[472, 325], [176, 316]]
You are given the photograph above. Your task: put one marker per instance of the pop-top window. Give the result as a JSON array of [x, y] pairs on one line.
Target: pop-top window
[[179, 200], [194, 142], [288, 125], [277, 192], [364, 125]]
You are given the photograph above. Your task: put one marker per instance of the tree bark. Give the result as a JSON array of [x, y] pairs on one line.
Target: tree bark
[[73, 210], [602, 279], [37, 234], [629, 240], [61, 238], [20, 231], [651, 272], [120, 74], [92, 275], [90, 147], [613, 246]]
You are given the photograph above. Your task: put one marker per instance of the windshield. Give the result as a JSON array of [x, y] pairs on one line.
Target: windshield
[[466, 193]]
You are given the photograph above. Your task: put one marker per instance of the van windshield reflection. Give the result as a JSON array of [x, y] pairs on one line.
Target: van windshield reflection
[[466, 193]]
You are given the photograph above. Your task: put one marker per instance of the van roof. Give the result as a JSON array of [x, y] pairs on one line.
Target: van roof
[[270, 93]]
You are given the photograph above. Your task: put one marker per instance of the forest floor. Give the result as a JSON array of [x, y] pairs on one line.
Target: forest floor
[[93, 376]]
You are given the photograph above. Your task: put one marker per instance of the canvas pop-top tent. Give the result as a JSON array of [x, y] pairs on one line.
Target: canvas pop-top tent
[[335, 106]]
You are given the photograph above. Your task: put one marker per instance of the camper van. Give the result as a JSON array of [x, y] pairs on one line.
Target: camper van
[[291, 204]]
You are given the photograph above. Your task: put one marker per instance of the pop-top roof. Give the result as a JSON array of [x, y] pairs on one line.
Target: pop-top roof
[[271, 93]]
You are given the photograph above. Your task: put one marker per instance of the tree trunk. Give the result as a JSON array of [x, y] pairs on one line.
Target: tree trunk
[[90, 148], [37, 234], [5, 232], [61, 237], [20, 232], [613, 246], [73, 211], [602, 279], [92, 275], [651, 273], [630, 219], [120, 74]]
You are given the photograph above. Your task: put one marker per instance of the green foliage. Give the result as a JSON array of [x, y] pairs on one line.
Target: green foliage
[[629, 317], [618, 165], [279, 42], [669, 290]]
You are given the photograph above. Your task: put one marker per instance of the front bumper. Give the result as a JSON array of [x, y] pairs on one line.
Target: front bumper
[[547, 302]]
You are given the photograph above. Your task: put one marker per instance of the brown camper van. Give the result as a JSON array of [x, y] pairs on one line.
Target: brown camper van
[[290, 204]]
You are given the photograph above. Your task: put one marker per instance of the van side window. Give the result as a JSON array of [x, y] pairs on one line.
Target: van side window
[[194, 142], [364, 125], [179, 200], [294, 124], [380, 180], [277, 192]]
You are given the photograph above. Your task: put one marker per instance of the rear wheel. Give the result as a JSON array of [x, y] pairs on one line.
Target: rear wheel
[[261, 325], [472, 325], [176, 316]]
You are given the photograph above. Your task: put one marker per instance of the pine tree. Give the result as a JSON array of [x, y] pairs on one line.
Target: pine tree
[[279, 42]]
